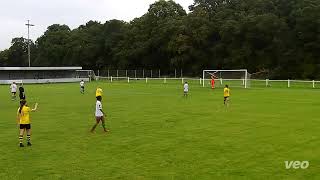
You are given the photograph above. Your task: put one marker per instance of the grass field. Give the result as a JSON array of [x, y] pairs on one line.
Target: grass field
[[157, 134]]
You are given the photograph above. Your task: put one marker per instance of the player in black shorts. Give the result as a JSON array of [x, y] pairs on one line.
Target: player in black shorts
[[22, 94], [23, 119]]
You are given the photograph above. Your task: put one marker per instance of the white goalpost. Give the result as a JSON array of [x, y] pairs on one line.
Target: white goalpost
[[234, 78]]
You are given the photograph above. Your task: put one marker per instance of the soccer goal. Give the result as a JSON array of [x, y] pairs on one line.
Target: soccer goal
[[233, 78], [86, 74]]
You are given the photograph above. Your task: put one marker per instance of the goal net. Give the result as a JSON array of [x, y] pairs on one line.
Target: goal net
[[86, 74], [233, 78]]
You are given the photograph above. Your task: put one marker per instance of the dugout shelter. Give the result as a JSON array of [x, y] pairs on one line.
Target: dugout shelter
[[36, 75]]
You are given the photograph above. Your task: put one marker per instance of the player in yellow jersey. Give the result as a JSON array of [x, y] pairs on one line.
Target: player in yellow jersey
[[226, 95], [99, 92], [23, 119]]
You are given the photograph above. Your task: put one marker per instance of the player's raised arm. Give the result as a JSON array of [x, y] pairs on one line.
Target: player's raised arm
[[35, 107]]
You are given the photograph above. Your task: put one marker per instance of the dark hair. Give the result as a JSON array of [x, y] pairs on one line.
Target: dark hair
[[99, 98], [227, 86], [22, 103]]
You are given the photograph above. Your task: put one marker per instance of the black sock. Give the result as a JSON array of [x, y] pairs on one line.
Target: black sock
[[93, 128], [20, 139], [28, 138]]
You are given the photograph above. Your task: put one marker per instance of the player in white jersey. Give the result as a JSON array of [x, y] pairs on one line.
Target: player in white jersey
[[99, 115], [185, 89], [82, 86], [13, 89]]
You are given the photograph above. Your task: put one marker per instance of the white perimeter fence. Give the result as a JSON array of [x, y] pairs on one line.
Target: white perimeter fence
[[252, 83]]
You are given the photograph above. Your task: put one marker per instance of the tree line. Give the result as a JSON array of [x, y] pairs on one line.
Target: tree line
[[277, 38]]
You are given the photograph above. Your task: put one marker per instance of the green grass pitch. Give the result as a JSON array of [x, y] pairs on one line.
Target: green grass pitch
[[157, 134]]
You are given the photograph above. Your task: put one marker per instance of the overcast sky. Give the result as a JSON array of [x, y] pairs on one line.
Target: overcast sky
[[15, 13]]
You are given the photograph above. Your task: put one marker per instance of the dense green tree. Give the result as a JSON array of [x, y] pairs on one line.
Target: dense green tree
[[86, 45], [114, 32], [146, 43], [52, 46], [4, 57], [277, 37], [18, 52]]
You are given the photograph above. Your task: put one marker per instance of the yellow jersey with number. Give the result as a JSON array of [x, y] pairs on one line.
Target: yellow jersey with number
[[24, 116], [226, 92], [98, 92]]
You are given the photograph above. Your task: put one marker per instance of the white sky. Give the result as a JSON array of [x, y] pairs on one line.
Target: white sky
[[15, 13]]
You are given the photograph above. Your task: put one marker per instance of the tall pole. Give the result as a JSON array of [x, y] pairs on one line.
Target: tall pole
[[29, 41]]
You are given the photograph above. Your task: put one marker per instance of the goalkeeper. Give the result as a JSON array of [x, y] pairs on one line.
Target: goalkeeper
[[213, 77]]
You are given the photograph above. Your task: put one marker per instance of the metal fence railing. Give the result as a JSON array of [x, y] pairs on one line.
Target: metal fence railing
[[150, 73]]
